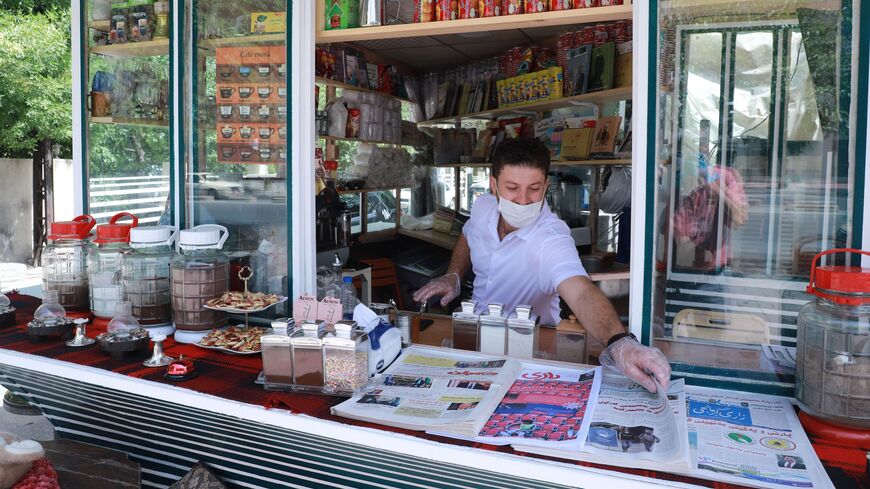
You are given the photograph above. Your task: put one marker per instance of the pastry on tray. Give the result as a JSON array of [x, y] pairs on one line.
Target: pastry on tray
[[242, 301], [243, 340]]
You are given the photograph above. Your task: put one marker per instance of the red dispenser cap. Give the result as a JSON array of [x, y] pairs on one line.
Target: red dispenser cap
[[114, 232], [845, 285], [78, 228]]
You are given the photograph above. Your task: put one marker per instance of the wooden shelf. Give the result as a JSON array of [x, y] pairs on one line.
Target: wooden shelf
[[212, 44], [160, 47], [615, 94], [436, 238], [101, 25], [465, 26], [462, 165], [348, 86], [357, 140], [367, 190], [602, 162], [130, 122]]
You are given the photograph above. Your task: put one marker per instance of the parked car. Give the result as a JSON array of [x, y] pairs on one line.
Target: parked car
[[217, 187], [381, 207]]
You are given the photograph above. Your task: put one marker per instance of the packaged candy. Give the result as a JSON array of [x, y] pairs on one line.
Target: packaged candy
[[424, 10], [561, 4], [511, 7], [446, 9], [534, 6]]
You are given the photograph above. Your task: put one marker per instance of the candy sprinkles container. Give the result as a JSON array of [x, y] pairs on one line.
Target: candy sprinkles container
[[345, 359]]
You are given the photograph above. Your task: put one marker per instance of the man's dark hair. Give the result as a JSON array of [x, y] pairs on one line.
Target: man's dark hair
[[521, 152]]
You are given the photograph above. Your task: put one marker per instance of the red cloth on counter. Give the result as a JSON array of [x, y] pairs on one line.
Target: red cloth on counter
[[232, 377]]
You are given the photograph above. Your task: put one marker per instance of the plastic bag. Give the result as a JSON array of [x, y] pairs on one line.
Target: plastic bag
[[337, 118], [617, 191]]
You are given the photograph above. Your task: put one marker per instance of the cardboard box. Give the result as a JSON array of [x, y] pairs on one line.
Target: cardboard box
[[342, 14], [268, 22], [622, 70]]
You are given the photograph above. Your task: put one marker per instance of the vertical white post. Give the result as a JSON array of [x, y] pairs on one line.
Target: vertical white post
[[78, 142], [301, 231]]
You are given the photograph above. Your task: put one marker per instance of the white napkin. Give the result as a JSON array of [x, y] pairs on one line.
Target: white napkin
[[365, 317]]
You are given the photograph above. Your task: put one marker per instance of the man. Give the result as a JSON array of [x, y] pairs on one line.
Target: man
[[522, 253]]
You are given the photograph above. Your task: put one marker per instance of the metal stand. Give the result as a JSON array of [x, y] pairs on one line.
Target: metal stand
[[81, 338], [158, 359]]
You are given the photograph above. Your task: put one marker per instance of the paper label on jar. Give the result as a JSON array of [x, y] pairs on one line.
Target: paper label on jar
[[329, 310], [305, 307]]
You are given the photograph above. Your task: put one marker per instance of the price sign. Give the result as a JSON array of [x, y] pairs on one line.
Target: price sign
[[305, 307], [329, 310]]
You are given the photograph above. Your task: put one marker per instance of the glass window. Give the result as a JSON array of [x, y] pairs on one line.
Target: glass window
[[753, 168], [473, 183], [128, 148], [236, 165]]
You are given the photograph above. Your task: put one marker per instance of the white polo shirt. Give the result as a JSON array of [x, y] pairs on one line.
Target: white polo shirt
[[526, 267]]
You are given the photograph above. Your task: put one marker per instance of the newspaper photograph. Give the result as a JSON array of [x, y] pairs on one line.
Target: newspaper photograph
[[425, 388], [750, 439], [548, 405]]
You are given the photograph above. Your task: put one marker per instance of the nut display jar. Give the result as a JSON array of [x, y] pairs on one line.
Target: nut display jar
[[306, 344], [111, 243], [199, 273], [123, 334], [50, 319], [145, 277], [65, 262], [345, 359], [833, 344]]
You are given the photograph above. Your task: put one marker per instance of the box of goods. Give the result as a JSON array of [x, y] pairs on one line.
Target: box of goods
[[141, 20], [554, 83], [342, 14], [424, 10], [561, 4], [622, 70], [512, 7], [446, 9], [490, 8], [609, 3], [586, 3], [268, 22], [576, 143], [118, 23]]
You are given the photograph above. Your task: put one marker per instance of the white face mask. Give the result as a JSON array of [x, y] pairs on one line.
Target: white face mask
[[519, 215]]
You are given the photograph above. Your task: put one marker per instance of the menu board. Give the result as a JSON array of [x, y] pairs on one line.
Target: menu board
[[251, 104]]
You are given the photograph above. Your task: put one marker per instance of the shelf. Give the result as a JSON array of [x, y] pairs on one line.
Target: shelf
[[462, 165], [615, 94], [357, 140], [466, 26], [367, 190], [348, 86], [602, 162], [100, 25], [436, 238], [160, 47], [212, 44], [130, 122]]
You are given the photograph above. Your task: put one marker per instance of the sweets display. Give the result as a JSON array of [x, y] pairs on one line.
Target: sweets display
[[242, 340], [243, 301]]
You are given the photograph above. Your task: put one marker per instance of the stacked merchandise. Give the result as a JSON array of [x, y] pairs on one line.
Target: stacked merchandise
[[251, 104], [136, 20], [595, 58], [349, 66]]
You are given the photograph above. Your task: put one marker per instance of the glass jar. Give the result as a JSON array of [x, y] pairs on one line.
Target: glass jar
[[111, 243], [199, 273], [7, 312], [124, 334], [832, 377], [306, 344], [493, 330], [466, 328], [50, 319], [145, 276], [50, 310], [64, 262], [521, 326], [277, 360], [345, 359]]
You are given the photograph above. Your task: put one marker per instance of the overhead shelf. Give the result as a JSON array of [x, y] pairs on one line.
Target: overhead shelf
[[601, 162], [444, 240], [470, 26], [254, 40], [616, 94], [357, 140], [130, 122], [367, 190], [348, 86], [159, 47], [101, 25]]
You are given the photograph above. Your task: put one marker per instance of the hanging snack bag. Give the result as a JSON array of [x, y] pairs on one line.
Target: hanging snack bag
[[118, 24], [424, 10], [446, 9], [141, 20], [535, 6], [511, 7]]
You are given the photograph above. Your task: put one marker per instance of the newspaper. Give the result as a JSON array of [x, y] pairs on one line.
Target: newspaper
[[425, 388], [737, 437], [546, 406]]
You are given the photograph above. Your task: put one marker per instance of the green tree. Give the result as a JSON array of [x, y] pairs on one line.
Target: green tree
[[35, 81]]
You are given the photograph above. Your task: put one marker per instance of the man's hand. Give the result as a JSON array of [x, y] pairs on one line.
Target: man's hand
[[447, 286], [637, 362]]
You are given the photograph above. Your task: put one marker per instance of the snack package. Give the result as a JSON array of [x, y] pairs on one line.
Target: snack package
[[512, 7], [446, 9], [118, 24], [561, 4], [468, 9], [535, 6], [141, 20], [424, 10]]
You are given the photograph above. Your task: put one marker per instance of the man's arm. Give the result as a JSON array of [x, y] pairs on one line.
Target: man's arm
[[597, 315], [448, 285]]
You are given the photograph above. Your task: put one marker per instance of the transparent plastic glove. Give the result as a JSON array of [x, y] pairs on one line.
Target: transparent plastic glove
[[638, 362], [447, 286]]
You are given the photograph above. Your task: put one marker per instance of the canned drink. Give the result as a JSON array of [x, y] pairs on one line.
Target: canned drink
[[602, 34], [403, 323], [587, 36], [353, 122]]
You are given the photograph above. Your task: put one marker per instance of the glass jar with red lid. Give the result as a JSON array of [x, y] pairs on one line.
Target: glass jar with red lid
[[64, 262], [832, 377], [111, 243]]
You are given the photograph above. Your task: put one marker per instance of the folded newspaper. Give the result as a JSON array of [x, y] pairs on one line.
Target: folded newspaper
[[737, 437], [480, 397]]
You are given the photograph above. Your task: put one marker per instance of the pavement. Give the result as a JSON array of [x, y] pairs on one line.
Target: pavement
[[25, 427]]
